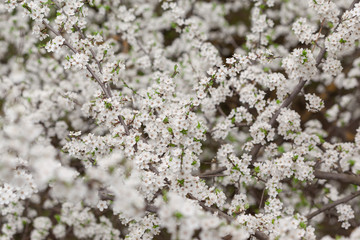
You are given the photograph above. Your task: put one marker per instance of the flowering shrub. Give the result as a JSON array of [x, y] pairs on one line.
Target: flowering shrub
[[188, 119]]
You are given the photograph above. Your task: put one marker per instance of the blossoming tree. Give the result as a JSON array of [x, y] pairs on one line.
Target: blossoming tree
[[187, 119]]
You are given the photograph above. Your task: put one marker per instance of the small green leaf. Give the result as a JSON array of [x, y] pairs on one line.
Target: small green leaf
[[58, 218], [170, 130], [184, 131], [351, 162], [178, 215], [166, 120], [173, 25], [303, 225], [108, 105], [26, 6], [281, 149], [181, 182]]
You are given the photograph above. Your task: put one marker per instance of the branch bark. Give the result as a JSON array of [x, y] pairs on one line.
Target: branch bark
[[333, 204], [341, 177], [293, 94], [106, 91], [211, 172]]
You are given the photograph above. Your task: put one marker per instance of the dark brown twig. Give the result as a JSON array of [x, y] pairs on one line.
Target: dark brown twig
[[106, 91], [333, 204], [341, 177]]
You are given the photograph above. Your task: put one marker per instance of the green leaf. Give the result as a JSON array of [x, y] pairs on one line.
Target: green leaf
[[236, 167], [58, 218], [108, 105], [303, 225], [26, 6], [322, 140], [281, 149], [351, 162], [173, 25], [170, 130], [164, 192], [166, 120], [178, 215], [181, 182], [184, 131]]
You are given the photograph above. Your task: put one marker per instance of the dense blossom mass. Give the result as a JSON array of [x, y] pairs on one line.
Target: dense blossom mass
[[187, 119]]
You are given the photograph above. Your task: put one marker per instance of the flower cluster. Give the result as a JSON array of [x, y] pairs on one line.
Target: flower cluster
[[313, 103], [179, 119], [345, 214], [55, 44], [78, 61], [300, 64]]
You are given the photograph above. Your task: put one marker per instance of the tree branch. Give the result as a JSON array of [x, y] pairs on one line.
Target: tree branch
[[292, 96], [341, 177], [107, 91], [333, 204], [272, 122], [210, 172], [83, 36]]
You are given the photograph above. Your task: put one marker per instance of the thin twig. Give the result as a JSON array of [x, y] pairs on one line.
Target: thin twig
[[262, 198], [83, 36], [292, 96], [107, 91], [210, 172]]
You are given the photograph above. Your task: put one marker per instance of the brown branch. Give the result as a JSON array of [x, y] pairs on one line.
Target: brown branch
[[333, 204], [353, 4], [341, 177], [272, 122], [127, 132], [260, 235], [66, 43], [83, 36], [292, 96], [107, 91], [210, 172], [229, 219]]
